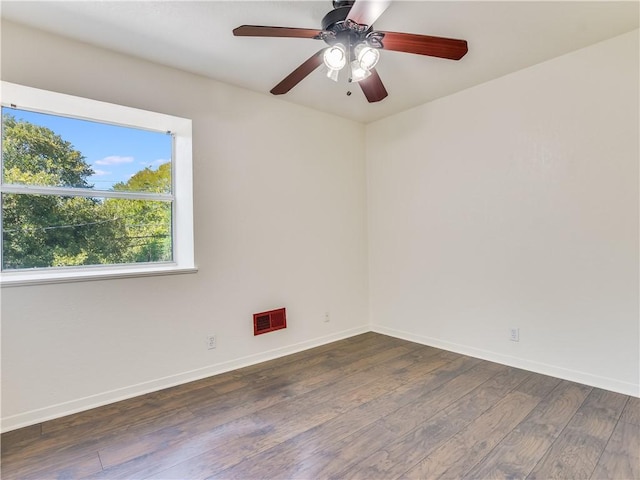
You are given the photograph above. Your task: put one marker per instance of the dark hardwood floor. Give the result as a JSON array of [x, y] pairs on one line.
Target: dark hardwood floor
[[368, 407]]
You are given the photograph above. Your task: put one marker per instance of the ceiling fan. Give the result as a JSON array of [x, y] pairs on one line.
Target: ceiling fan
[[348, 30]]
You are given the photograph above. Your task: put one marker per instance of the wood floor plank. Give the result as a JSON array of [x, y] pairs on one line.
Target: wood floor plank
[[621, 457], [631, 412], [606, 403], [294, 381], [340, 457], [87, 420], [18, 437], [576, 451], [308, 358], [369, 406], [519, 452], [287, 458], [60, 468], [146, 412], [414, 414], [53, 449], [408, 448], [234, 407], [280, 425], [538, 385], [458, 455], [130, 417]]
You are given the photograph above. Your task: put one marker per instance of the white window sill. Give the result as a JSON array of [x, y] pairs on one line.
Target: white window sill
[[25, 278]]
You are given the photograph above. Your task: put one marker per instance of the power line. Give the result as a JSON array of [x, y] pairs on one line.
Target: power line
[[54, 227], [76, 225]]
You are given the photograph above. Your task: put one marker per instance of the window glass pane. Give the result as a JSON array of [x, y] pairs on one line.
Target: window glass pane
[[50, 150], [41, 231]]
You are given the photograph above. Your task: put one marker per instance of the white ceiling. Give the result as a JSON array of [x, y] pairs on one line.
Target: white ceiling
[[196, 36]]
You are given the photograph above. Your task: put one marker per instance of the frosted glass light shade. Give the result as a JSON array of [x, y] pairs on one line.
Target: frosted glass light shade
[[335, 57], [357, 72], [367, 56], [333, 74]]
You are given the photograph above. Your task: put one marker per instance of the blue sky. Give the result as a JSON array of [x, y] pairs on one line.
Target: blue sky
[[114, 152]]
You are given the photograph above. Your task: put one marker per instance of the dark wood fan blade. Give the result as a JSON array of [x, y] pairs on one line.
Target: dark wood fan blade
[[373, 88], [299, 73], [365, 12], [450, 48], [264, 31]]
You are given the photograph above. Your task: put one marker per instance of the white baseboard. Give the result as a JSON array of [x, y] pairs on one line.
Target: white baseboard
[[74, 406], [606, 383]]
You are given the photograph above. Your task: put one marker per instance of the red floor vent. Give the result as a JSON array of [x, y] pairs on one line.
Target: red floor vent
[[269, 321]]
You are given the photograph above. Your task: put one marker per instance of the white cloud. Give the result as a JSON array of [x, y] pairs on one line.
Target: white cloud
[[98, 173], [114, 160]]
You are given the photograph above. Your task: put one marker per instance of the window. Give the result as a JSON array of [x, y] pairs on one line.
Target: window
[[91, 189]]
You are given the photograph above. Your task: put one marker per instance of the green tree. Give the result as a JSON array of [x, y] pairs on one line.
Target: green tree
[[148, 223], [148, 180], [34, 154], [46, 230]]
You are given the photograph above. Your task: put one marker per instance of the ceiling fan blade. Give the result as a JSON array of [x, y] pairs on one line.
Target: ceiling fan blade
[[365, 12], [450, 48], [264, 31], [299, 73], [373, 88]]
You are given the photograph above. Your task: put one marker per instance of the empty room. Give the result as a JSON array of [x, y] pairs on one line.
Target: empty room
[[320, 239]]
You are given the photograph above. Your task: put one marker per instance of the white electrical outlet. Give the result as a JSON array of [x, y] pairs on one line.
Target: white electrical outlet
[[514, 334], [211, 342], [326, 317]]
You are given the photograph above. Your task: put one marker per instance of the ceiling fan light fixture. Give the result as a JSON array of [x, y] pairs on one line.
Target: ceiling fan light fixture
[[366, 56], [357, 72], [335, 57], [351, 23], [333, 74]]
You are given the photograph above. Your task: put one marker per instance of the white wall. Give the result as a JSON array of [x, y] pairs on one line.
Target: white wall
[[279, 221], [515, 204]]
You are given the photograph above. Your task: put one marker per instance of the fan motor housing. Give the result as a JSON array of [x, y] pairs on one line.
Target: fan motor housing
[[337, 29], [343, 3], [334, 17]]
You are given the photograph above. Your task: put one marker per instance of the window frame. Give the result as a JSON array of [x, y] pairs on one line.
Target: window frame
[[181, 197]]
